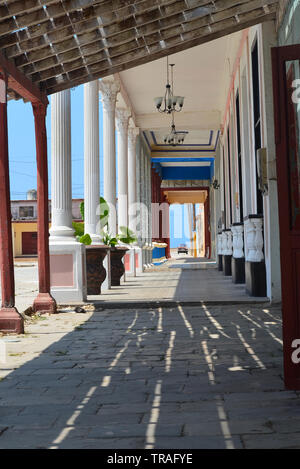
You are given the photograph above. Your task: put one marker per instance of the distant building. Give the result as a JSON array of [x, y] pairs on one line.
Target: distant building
[[24, 223]]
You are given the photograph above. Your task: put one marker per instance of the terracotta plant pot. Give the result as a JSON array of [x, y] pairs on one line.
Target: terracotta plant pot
[[117, 266], [96, 273]]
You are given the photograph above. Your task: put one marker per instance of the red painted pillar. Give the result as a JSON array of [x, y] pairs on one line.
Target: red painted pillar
[[10, 319], [44, 302], [207, 227], [168, 248]]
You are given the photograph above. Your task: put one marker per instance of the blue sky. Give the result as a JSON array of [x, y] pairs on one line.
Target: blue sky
[[22, 153], [22, 145]]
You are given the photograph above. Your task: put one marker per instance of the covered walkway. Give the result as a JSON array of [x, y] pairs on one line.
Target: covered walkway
[[181, 377], [184, 279]]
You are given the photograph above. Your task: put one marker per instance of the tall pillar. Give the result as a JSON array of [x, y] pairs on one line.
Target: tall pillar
[[61, 187], [122, 127], [67, 256], [91, 162], [10, 320], [44, 302], [132, 172], [109, 91]]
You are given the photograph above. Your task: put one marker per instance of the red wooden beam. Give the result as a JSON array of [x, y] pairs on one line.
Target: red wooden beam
[[10, 320], [20, 83], [44, 301]]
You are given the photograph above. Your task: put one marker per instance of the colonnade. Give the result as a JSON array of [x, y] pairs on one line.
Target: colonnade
[[67, 255]]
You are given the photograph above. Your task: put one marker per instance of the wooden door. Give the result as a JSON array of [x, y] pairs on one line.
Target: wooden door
[[29, 243], [286, 84]]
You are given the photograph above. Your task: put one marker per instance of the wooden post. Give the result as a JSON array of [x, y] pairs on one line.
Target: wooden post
[[10, 319], [44, 302]]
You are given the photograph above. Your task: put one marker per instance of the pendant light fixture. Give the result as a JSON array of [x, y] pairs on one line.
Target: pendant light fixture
[[175, 137], [169, 102]]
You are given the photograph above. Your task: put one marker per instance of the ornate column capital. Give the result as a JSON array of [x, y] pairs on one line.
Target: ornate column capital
[[109, 91], [133, 132], [122, 120]]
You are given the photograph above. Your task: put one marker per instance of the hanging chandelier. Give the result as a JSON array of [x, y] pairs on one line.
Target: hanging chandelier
[[169, 103], [175, 137]]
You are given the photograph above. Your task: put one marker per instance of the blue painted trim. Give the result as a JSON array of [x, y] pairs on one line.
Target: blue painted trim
[[182, 173], [217, 139], [153, 137], [183, 151], [212, 171], [147, 141], [157, 167], [180, 160]]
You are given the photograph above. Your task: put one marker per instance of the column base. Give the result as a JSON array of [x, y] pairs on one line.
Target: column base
[[256, 284], [44, 303], [238, 269], [129, 261], [227, 265], [220, 262], [68, 271], [11, 322]]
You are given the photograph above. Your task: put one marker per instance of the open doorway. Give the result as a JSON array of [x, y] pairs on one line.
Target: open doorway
[[189, 222]]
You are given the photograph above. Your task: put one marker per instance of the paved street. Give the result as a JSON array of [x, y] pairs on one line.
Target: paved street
[[26, 283], [184, 377]]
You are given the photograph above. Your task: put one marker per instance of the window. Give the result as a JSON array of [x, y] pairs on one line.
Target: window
[[239, 147], [229, 177], [26, 212], [257, 118]]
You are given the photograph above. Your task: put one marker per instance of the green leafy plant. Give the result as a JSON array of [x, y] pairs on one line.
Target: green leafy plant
[[104, 212], [109, 240], [85, 239], [126, 235], [78, 228], [80, 235]]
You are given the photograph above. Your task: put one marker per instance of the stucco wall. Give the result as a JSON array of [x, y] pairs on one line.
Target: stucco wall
[[17, 229]]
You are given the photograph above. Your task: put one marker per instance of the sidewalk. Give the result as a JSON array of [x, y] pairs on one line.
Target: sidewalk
[[182, 378], [183, 279]]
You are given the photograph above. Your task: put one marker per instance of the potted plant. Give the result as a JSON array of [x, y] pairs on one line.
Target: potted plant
[[126, 236], [95, 254]]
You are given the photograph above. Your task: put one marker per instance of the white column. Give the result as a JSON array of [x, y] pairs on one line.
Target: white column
[[132, 176], [67, 256], [122, 120], [91, 161], [109, 91], [61, 179]]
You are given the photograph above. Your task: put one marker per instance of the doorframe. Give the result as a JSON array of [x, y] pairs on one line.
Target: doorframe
[[290, 301], [206, 213]]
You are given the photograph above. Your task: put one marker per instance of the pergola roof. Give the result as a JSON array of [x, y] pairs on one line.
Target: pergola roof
[[61, 44]]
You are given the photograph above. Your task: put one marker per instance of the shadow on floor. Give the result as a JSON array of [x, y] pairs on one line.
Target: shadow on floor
[[185, 377]]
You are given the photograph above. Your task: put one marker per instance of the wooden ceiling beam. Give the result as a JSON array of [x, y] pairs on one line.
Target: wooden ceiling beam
[[59, 44], [74, 54], [20, 83], [156, 28], [196, 41]]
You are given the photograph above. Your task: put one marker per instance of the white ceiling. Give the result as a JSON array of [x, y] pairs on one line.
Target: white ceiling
[[199, 75], [194, 137]]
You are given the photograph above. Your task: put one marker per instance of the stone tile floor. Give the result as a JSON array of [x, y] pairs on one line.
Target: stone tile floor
[[183, 378], [184, 279]]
